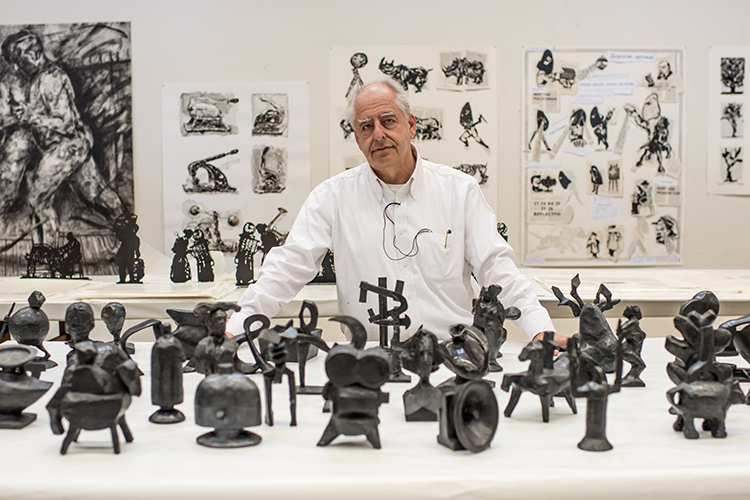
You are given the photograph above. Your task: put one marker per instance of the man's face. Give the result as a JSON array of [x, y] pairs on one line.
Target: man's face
[[29, 55], [382, 131]]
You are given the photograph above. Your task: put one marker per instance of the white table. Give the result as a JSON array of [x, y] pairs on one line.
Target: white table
[[528, 459]]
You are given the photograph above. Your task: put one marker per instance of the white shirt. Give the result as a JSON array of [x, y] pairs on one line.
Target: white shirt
[[458, 236]]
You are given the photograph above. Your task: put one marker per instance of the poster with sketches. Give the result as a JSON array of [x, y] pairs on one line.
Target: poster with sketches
[[234, 153], [453, 96], [727, 105], [602, 156], [66, 155]]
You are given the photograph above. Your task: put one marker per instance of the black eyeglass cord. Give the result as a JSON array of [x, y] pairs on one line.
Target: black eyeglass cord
[[414, 245]]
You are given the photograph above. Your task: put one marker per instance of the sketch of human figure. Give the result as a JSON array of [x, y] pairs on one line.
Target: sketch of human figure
[[642, 200], [470, 126], [596, 179], [639, 236], [346, 128], [204, 263], [358, 61], [592, 244], [49, 146], [542, 124], [732, 164], [71, 258], [651, 120], [667, 233], [614, 241], [566, 77], [613, 175], [599, 124], [245, 259], [180, 271], [576, 129]]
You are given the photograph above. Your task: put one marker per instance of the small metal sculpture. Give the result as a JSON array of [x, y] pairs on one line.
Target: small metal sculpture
[[29, 326], [598, 341], [421, 355], [308, 341], [113, 316], [248, 246], [216, 347], [389, 317], [180, 270], [128, 257], [489, 316], [61, 262], [18, 390], [587, 380], [631, 351], [276, 353], [228, 402], [468, 413], [216, 183], [741, 342], [166, 378], [545, 378], [355, 377], [203, 261]]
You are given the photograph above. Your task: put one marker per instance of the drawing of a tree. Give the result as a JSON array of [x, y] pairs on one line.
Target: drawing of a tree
[[732, 112], [733, 73], [732, 157]]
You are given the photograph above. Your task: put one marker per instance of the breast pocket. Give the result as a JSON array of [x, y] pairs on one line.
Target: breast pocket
[[440, 258]]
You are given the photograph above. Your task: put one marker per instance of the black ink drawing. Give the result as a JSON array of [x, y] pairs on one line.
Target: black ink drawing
[[358, 61], [470, 126], [664, 72], [731, 115], [271, 116], [61, 262], [566, 77], [465, 71], [206, 178], [614, 241], [210, 223], [596, 179], [502, 230], [657, 126], [599, 124], [642, 201], [577, 125], [65, 139], [327, 272], [204, 113], [130, 266], [542, 124], [180, 271], [346, 128], [733, 75], [474, 169], [592, 244], [667, 232], [429, 124], [271, 237], [269, 169], [204, 263], [613, 176], [732, 164], [248, 246], [417, 77], [541, 184]]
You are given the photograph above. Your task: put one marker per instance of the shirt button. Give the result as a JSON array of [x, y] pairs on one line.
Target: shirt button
[[401, 232]]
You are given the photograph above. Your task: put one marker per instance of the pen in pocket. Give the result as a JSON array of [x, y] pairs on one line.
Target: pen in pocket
[[446, 238]]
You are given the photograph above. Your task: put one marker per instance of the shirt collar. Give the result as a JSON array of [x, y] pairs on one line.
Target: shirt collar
[[413, 184]]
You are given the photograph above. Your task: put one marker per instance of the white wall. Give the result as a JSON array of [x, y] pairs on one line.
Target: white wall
[[278, 40]]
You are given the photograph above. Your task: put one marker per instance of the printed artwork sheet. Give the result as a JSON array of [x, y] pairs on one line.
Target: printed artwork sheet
[[602, 153], [452, 92], [233, 154], [727, 105]]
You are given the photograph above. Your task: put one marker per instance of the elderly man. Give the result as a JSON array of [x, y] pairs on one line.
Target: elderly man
[[401, 217]]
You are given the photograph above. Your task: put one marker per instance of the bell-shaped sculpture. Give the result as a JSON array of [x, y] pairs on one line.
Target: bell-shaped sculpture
[[228, 402], [17, 389]]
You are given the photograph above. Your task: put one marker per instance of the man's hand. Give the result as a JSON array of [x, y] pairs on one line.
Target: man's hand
[[560, 339]]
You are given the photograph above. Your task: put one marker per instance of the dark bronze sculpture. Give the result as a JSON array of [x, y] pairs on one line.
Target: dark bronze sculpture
[[60, 262], [130, 265], [276, 353], [17, 389], [228, 402], [113, 316], [355, 377], [489, 316], [597, 338], [204, 263], [216, 347], [466, 354], [306, 345], [166, 378], [545, 378], [631, 351], [421, 355], [29, 326]]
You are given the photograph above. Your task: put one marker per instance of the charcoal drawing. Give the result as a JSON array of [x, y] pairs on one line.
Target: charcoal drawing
[[465, 70], [470, 126], [271, 237], [207, 113], [667, 233], [65, 139], [732, 164], [429, 124], [651, 120], [358, 61], [599, 124], [271, 114], [474, 169], [732, 75], [204, 177], [416, 77], [642, 199], [732, 120], [270, 165], [212, 223]]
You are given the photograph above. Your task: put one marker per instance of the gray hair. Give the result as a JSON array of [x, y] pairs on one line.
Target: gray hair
[[400, 96]]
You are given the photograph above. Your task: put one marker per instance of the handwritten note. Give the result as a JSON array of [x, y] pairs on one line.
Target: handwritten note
[[630, 57]]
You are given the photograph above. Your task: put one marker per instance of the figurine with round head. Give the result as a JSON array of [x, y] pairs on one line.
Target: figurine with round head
[[79, 321], [113, 315]]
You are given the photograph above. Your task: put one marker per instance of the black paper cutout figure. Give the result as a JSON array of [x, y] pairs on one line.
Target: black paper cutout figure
[[473, 169], [489, 317], [470, 126], [545, 377], [358, 61], [541, 184], [613, 177], [667, 233], [61, 262], [597, 339], [180, 270], [417, 77], [29, 326], [566, 77], [546, 63], [642, 202], [542, 124], [657, 127], [577, 124], [564, 180], [271, 121], [204, 263], [206, 114], [389, 317], [128, 256], [633, 336], [733, 74], [599, 124], [596, 179], [215, 183], [465, 71], [421, 355], [732, 158], [19, 390], [354, 380], [592, 244], [248, 246], [270, 237]]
